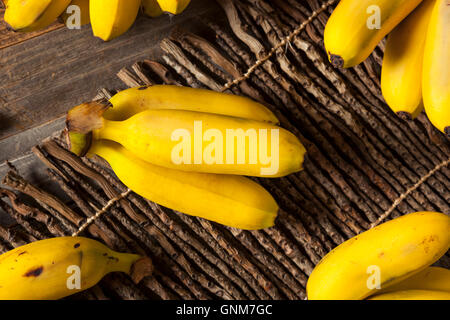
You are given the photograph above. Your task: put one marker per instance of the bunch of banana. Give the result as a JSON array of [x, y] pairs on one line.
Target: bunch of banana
[[109, 18], [58, 267], [415, 71], [401, 74], [140, 137], [390, 261], [436, 68]]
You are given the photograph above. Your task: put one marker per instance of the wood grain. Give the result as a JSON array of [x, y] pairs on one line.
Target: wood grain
[[10, 38]]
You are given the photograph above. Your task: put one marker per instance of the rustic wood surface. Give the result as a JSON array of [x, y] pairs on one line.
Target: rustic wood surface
[[361, 159]]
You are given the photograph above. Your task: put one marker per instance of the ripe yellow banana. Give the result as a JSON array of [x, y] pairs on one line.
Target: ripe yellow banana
[[129, 102], [196, 141], [152, 8], [173, 6], [356, 27], [401, 76], [50, 269], [413, 295], [32, 15], [436, 68], [231, 200], [112, 18], [380, 257], [84, 10], [432, 278]]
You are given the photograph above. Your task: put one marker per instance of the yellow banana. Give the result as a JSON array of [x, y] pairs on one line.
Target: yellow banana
[[356, 27], [436, 68], [401, 76], [413, 295], [83, 5], [50, 269], [173, 6], [112, 18], [196, 141], [231, 200], [128, 102], [432, 278], [380, 257], [131, 101], [152, 8], [32, 15]]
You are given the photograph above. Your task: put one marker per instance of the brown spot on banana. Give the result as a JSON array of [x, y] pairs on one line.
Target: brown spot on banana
[[115, 259], [36, 272]]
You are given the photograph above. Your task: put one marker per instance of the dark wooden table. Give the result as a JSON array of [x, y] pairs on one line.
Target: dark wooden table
[[45, 73]]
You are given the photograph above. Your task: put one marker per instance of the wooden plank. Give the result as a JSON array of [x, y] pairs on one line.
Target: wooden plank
[[21, 143], [9, 38], [43, 77], [17, 150]]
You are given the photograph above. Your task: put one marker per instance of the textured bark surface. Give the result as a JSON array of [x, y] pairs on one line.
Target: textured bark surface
[[361, 158]]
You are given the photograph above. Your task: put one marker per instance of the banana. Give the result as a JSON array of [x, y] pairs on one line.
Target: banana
[[401, 76], [350, 36], [196, 141], [152, 8], [129, 102], [42, 270], [84, 10], [173, 6], [32, 15], [432, 278], [436, 68], [413, 295], [231, 200], [384, 256], [112, 18]]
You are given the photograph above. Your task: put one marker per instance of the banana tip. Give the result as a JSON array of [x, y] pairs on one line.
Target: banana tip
[[78, 143], [142, 268], [9, 28], [336, 60], [86, 117], [406, 116]]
